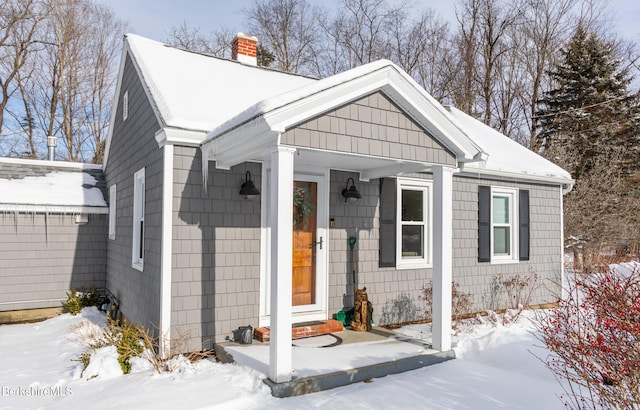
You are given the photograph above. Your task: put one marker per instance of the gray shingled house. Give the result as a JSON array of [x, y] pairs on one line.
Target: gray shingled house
[[205, 157], [441, 197], [53, 232]]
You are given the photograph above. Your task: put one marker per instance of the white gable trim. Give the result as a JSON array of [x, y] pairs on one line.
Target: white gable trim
[[232, 144], [126, 50]]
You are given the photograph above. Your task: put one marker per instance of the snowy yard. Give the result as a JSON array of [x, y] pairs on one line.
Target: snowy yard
[[494, 369]]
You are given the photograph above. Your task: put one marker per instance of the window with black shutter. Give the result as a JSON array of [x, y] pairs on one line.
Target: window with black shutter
[[503, 224]]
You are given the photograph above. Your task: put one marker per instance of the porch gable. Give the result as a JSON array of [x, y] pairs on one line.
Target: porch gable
[[373, 126]]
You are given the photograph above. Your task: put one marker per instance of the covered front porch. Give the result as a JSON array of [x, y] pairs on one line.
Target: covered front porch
[[353, 357], [375, 123], [282, 167]]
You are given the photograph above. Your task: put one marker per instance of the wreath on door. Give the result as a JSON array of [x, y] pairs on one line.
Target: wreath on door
[[301, 207]]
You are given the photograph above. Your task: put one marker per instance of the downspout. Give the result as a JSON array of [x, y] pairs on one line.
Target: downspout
[[566, 188]]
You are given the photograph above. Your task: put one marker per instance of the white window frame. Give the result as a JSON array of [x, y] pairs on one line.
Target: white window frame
[[426, 187], [512, 194], [112, 212], [125, 106], [137, 245]]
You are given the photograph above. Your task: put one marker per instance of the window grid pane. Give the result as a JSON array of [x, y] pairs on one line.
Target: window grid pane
[[501, 210], [501, 240], [413, 241], [412, 205]]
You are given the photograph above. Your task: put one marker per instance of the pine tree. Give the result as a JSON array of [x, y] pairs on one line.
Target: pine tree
[[589, 125], [591, 111]]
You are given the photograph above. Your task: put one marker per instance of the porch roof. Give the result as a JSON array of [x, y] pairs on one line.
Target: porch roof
[[250, 134]]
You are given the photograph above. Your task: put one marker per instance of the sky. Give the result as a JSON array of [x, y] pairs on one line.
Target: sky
[[154, 18]]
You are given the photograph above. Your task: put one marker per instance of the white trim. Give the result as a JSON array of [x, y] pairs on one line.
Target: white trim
[[137, 237], [126, 50], [426, 187], [112, 211], [563, 274], [114, 105], [265, 246], [512, 195], [284, 111], [178, 136], [54, 209], [318, 310], [442, 257], [167, 252], [508, 175], [280, 351], [47, 163]]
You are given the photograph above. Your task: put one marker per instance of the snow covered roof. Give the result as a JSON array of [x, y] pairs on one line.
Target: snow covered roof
[[199, 98], [198, 92], [504, 154], [30, 185]]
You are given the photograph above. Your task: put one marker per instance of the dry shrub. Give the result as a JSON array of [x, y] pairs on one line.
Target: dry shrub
[[460, 303], [131, 341], [594, 339], [519, 289]]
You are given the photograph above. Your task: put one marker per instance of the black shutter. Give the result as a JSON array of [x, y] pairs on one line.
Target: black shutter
[[387, 222], [523, 216], [484, 224]]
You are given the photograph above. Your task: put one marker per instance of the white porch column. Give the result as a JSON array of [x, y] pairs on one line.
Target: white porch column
[[442, 256], [280, 361]]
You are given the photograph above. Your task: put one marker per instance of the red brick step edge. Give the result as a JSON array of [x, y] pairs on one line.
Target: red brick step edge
[[262, 334]]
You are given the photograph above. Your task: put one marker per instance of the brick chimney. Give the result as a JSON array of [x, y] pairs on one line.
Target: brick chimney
[[245, 49]]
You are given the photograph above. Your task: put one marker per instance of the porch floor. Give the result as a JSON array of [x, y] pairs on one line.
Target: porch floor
[[360, 357]]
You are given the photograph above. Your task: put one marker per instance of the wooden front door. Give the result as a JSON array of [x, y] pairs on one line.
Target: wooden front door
[[305, 194]]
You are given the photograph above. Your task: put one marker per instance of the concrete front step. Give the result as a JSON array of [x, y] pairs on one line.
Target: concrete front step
[[305, 329]]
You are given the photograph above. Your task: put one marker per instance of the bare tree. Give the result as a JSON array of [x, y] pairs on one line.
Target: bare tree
[[216, 43], [103, 44], [362, 32], [463, 67], [19, 21], [67, 84], [434, 71], [288, 29]]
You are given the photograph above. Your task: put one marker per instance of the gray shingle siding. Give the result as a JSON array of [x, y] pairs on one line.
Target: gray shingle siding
[[45, 255], [545, 249], [216, 250], [133, 146], [372, 125], [396, 293]]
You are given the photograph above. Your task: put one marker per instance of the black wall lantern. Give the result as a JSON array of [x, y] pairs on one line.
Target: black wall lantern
[[248, 188], [351, 194]]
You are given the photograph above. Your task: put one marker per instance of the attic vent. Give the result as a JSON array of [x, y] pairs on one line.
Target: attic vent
[[125, 105], [244, 49]]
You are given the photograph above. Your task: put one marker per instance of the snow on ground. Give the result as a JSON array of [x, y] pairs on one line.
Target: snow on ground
[[494, 370]]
